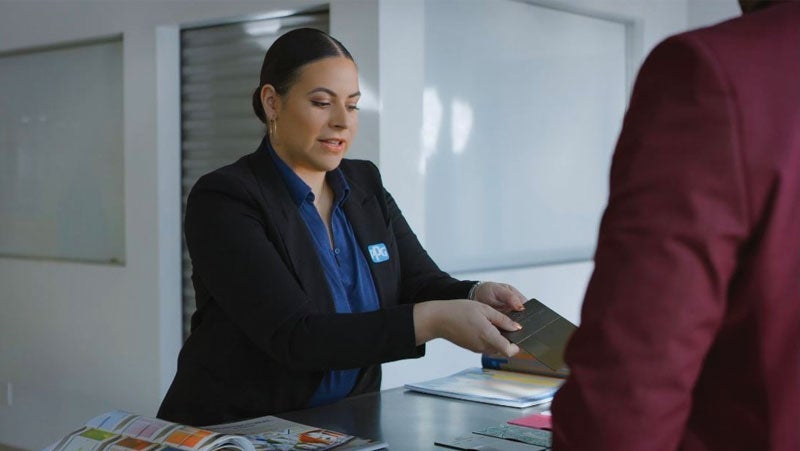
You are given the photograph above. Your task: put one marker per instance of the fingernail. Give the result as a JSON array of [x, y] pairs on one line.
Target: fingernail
[[518, 326]]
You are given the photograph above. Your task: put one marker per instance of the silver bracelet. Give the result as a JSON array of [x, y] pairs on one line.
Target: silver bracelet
[[471, 294]]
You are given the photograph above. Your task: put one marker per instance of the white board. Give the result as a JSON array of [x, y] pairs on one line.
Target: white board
[[521, 110]]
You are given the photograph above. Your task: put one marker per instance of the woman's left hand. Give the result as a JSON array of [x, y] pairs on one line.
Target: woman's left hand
[[501, 296]]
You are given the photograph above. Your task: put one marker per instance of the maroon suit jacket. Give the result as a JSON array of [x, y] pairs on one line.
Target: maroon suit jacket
[[690, 329]]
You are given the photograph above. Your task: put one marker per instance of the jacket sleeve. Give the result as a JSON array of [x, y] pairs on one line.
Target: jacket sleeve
[[240, 267], [666, 254]]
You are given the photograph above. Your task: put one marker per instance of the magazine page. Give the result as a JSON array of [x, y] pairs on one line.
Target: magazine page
[[503, 388], [273, 433], [362, 444], [120, 430]]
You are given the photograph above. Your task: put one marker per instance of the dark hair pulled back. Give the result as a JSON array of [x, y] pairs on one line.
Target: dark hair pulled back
[[288, 54]]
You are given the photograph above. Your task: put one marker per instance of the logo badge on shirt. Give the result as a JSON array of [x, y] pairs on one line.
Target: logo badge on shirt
[[378, 252]]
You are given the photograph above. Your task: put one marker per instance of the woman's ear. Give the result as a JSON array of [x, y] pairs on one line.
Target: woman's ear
[[271, 101]]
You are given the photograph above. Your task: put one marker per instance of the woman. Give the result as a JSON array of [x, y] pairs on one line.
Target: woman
[[306, 274]]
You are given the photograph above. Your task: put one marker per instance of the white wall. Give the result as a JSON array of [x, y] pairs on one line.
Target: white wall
[[78, 339], [702, 13]]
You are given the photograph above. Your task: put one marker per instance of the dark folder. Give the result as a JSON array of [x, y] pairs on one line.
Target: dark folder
[[544, 333]]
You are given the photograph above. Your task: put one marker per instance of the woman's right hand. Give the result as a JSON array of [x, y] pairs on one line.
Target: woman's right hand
[[469, 324]]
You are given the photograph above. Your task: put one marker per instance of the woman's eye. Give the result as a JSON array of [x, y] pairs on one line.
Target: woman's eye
[[352, 107], [320, 104]]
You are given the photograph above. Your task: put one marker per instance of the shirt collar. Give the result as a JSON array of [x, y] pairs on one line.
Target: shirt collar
[[298, 189]]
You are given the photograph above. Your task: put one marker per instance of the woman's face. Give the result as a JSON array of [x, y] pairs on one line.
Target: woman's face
[[317, 118]]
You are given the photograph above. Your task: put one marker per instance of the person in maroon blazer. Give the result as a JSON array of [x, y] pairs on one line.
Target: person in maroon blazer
[[690, 329]]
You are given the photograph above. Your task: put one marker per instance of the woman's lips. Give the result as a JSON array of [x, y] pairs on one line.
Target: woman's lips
[[336, 145]]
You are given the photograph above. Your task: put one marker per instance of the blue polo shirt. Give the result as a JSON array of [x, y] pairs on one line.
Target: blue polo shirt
[[345, 266]]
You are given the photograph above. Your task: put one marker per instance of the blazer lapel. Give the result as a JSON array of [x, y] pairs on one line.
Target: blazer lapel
[[371, 229], [293, 242]]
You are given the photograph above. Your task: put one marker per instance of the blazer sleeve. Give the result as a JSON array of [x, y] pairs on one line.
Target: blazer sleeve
[[239, 265], [666, 254]]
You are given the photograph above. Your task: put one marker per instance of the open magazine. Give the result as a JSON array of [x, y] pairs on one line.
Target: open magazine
[[520, 381], [119, 431]]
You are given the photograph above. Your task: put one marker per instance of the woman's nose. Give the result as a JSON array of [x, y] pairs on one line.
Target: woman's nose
[[340, 119]]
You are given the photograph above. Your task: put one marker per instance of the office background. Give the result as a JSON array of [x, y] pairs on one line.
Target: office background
[[78, 338]]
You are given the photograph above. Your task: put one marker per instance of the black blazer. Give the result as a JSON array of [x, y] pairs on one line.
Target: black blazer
[[265, 329]]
